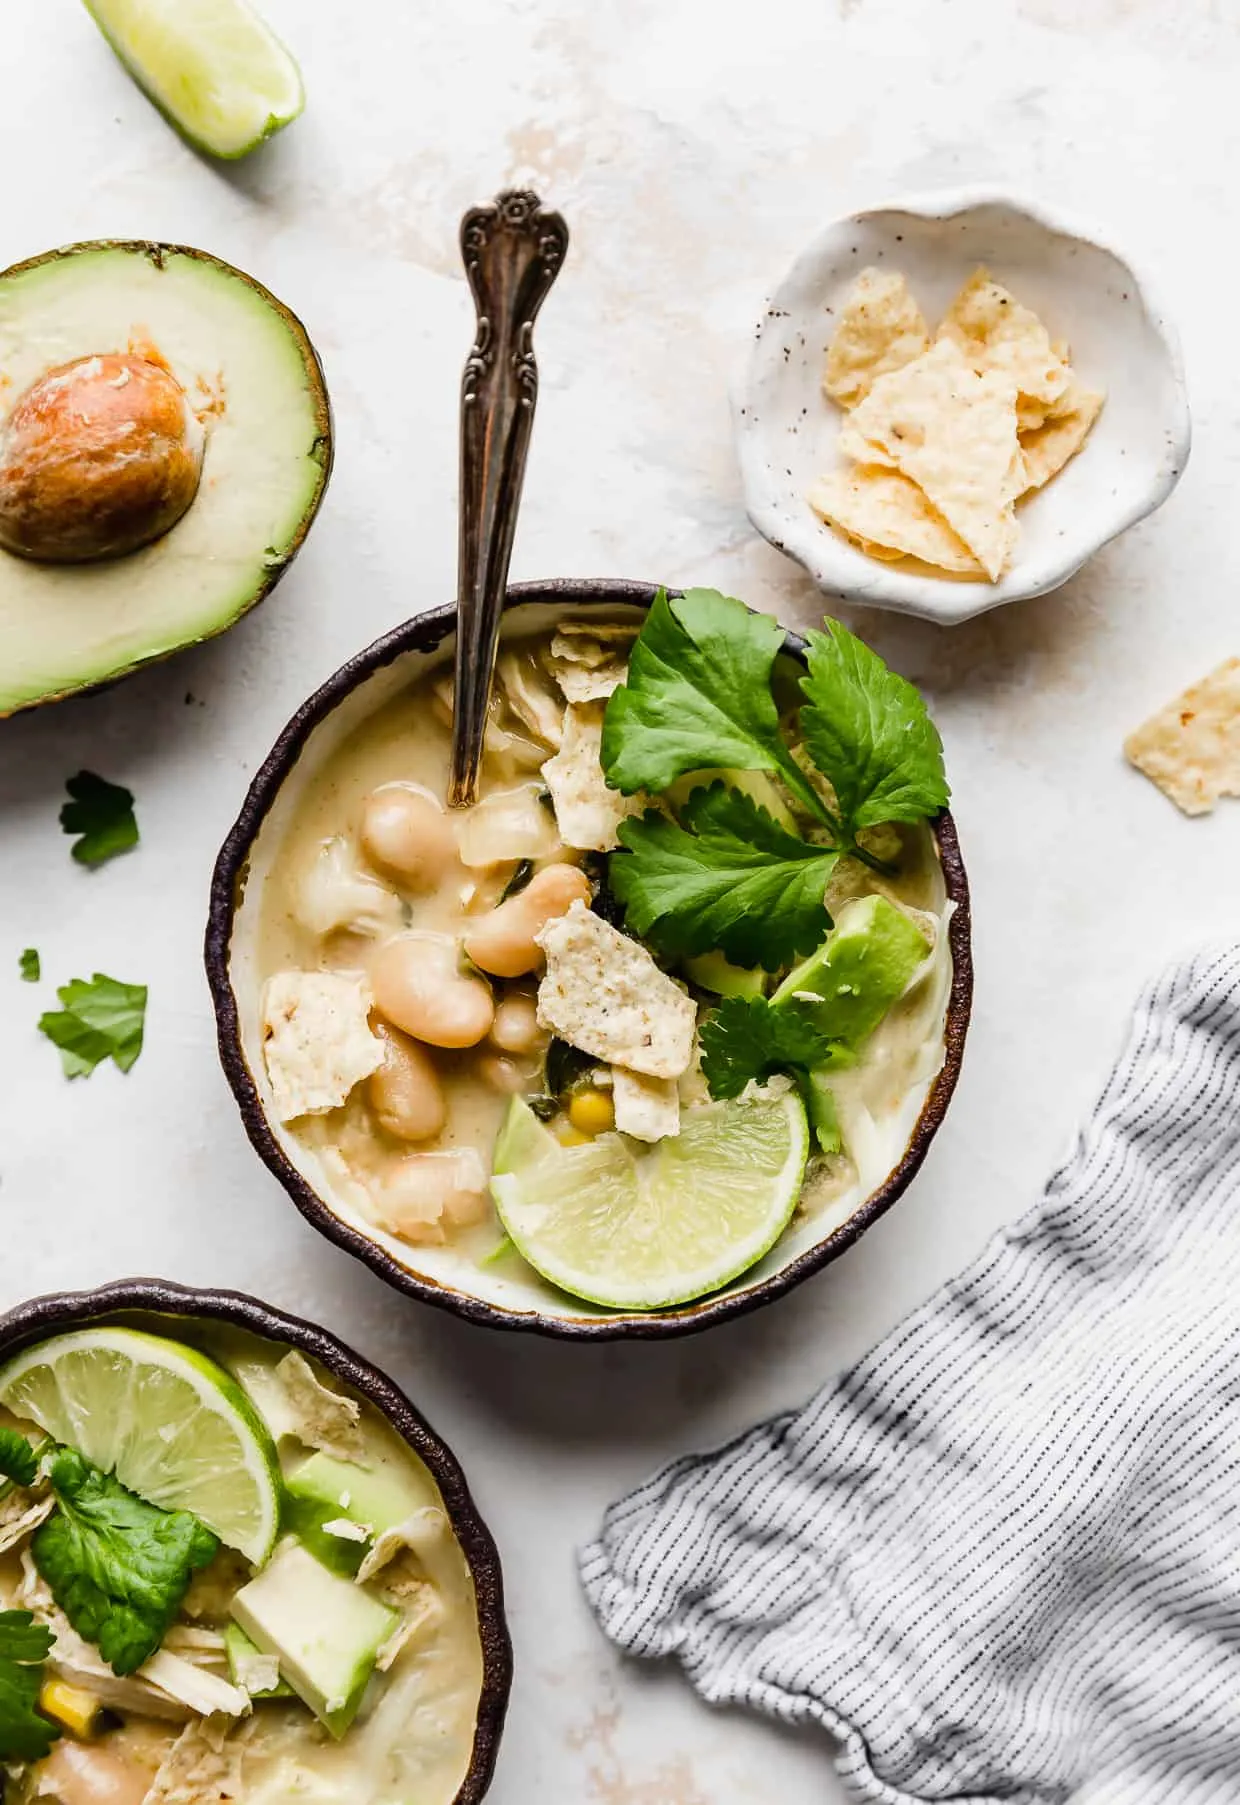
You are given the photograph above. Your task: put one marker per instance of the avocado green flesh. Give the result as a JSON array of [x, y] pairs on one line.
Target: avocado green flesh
[[239, 1649], [325, 1631], [324, 1490], [711, 971], [864, 966], [68, 627]]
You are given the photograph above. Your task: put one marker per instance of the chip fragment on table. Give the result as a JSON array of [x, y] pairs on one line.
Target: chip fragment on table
[[1191, 748]]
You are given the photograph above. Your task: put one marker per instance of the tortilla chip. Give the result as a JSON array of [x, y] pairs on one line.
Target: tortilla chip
[[1191, 748], [880, 329], [889, 516], [996, 333], [1048, 449], [953, 432], [325, 1419]]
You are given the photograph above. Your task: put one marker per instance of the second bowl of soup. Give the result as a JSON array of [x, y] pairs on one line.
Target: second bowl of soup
[[653, 1030]]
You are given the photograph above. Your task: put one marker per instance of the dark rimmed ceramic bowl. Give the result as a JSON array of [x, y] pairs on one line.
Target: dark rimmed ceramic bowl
[[492, 1296], [51, 1315]]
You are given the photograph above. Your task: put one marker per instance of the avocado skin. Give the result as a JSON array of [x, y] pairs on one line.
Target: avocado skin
[[323, 452]]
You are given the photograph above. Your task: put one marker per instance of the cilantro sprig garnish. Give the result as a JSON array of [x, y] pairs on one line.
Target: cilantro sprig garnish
[[728, 877], [102, 814], [24, 1646], [698, 697], [28, 965], [749, 1039], [100, 1019], [117, 1566]]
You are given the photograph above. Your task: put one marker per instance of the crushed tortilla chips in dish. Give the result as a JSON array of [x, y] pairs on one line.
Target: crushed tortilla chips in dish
[[945, 435]]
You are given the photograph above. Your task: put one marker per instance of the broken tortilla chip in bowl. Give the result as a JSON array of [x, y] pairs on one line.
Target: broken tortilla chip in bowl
[[954, 400]]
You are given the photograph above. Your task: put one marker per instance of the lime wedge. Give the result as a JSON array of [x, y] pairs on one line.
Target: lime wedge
[[639, 1228], [212, 68], [172, 1425]]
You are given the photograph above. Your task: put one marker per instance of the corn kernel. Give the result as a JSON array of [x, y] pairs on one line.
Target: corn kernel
[[591, 1111], [567, 1135], [79, 1711]]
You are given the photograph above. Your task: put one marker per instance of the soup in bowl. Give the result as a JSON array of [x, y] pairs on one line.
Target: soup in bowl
[[235, 1564], [659, 1024]]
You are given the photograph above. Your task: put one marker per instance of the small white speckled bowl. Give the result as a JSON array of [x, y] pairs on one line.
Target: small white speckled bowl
[[1084, 291]]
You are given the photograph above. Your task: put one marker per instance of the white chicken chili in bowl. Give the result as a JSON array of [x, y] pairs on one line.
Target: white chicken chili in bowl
[[654, 1019], [227, 1576]]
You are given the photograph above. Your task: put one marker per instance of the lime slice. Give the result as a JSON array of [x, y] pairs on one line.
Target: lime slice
[[172, 1425], [639, 1228], [212, 68]]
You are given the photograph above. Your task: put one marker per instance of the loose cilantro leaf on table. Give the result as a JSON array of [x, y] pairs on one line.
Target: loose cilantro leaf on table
[[28, 965], [102, 813], [868, 732], [100, 1019], [117, 1566], [24, 1646], [729, 878], [18, 1460]]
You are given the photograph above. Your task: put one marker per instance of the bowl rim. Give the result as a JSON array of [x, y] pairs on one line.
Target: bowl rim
[[943, 599], [39, 1318], [424, 633]]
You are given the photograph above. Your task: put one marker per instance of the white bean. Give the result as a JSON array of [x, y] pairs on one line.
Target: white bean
[[429, 1192], [504, 942], [418, 987], [516, 1029], [406, 832], [405, 1092]]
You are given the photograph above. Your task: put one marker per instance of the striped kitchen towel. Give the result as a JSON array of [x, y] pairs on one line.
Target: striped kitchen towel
[[1000, 1559]]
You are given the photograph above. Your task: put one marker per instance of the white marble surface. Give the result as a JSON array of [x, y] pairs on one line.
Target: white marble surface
[[694, 147]]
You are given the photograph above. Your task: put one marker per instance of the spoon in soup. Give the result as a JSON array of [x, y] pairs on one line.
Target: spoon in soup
[[513, 251]]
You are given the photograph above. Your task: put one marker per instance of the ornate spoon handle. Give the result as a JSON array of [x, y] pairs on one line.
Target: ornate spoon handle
[[512, 252]]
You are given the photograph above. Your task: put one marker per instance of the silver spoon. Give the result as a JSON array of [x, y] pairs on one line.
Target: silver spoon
[[512, 252]]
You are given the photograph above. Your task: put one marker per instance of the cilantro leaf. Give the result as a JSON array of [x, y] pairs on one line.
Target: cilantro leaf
[[102, 1019], [18, 1460], [28, 965], [24, 1646], [102, 813], [748, 1039], [729, 879], [117, 1566], [868, 732], [697, 696]]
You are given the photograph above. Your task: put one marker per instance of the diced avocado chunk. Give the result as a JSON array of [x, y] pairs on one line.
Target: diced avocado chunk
[[325, 1631], [864, 965], [820, 1107], [711, 971], [325, 1491], [241, 1653]]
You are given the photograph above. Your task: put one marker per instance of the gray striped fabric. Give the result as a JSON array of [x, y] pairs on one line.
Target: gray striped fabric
[[1001, 1558]]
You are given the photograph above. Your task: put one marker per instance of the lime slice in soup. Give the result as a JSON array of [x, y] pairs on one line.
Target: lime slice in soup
[[211, 67], [172, 1425], [639, 1228]]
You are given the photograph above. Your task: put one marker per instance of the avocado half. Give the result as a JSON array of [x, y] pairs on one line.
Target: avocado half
[[253, 379]]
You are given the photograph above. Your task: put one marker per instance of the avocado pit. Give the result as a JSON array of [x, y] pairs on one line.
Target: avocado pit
[[98, 458]]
